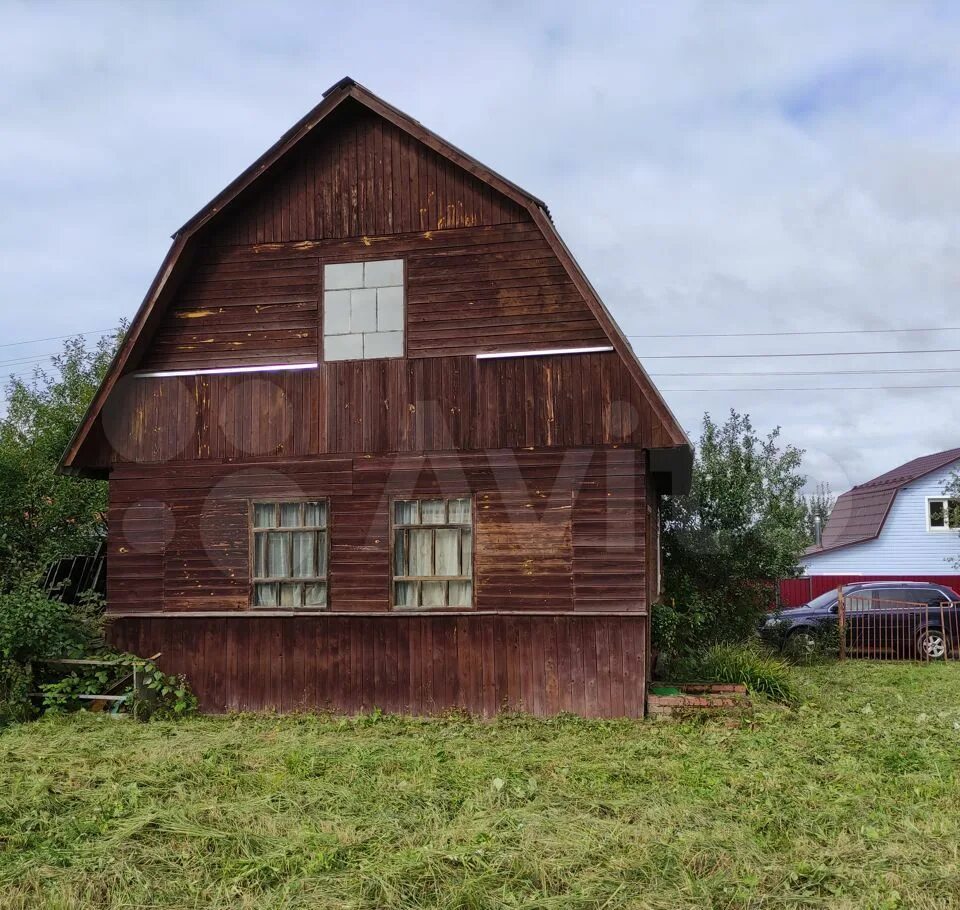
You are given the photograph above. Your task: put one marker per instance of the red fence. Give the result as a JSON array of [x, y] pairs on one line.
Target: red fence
[[796, 591]]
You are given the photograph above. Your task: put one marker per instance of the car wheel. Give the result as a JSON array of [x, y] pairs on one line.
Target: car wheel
[[932, 644], [801, 643]]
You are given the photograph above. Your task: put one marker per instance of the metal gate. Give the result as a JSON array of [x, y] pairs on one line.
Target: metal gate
[[880, 624]]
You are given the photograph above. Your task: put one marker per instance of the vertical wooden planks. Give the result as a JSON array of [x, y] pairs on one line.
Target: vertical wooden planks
[[422, 664], [381, 181]]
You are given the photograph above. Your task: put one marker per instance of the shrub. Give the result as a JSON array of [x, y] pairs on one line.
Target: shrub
[[741, 527], [34, 628], [157, 694], [760, 672]]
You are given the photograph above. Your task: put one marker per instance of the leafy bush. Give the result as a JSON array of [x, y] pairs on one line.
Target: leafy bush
[[157, 694], [748, 665], [34, 628], [742, 527], [162, 695]]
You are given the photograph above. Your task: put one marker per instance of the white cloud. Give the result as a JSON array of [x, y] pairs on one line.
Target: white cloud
[[715, 167]]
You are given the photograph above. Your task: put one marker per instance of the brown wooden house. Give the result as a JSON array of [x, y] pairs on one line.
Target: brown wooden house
[[374, 441]]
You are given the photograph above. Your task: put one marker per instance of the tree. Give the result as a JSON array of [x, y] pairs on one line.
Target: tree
[[819, 504], [952, 492], [42, 514], [742, 527]]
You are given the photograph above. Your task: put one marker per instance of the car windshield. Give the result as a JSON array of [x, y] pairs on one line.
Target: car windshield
[[824, 600]]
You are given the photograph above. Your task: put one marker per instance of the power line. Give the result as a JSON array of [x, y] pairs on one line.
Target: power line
[[13, 344], [798, 354], [811, 372], [20, 361], [825, 388], [785, 333]]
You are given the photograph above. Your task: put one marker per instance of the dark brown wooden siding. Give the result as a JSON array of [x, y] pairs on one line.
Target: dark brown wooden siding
[[590, 665], [358, 176], [468, 291], [560, 530], [241, 311], [381, 406]]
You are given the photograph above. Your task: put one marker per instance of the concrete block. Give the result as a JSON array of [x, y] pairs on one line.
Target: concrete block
[[363, 310], [390, 309], [342, 276], [343, 347], [336, 312], [382, 344], [382, 273]]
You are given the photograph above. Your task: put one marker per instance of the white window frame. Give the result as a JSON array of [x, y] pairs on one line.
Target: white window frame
[[946, 500]]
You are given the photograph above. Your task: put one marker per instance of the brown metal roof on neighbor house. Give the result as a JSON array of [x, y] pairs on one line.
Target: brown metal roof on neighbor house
[[860, 513]]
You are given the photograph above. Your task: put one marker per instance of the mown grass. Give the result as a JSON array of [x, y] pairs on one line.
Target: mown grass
[[850, 800]]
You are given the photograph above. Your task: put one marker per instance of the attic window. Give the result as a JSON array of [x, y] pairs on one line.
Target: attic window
[[363, 310], [943, 514]]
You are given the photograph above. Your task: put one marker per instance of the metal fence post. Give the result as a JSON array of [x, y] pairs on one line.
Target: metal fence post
[[841, 623]]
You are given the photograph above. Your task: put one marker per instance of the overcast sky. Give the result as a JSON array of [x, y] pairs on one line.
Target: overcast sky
[[715, 167]]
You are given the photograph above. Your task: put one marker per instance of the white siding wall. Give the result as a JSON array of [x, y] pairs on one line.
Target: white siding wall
[[905, 546]]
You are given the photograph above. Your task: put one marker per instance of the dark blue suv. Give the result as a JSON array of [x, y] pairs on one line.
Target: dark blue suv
[[899, 619]]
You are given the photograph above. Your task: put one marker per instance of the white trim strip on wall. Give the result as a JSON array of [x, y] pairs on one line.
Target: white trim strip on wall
[[157, 374], [544, 352]]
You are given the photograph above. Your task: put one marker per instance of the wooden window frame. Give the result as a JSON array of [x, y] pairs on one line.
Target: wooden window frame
[[275, 528], [419, 579]]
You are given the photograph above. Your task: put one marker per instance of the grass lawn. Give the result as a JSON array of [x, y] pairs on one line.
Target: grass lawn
[[851, 800]]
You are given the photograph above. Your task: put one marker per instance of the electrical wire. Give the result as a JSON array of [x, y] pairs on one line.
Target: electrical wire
[[811, 372], [797, 354], [13, 344], [785, 333], [825, 388]]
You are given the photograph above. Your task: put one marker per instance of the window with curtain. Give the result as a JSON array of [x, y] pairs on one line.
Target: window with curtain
[[290, 554], [432, 553]]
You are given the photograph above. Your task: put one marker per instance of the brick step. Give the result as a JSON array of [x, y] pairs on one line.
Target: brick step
[[700, 697]]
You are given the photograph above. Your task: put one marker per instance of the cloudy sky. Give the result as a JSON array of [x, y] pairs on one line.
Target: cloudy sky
[[716, 167]]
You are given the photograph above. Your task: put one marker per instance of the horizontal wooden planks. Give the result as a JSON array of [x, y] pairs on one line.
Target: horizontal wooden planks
[[469, 290], [361, 175], [509, 293], [561, 530], [221, 316], [589, 665]]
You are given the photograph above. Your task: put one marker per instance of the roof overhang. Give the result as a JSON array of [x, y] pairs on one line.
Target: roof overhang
[[671, 470]]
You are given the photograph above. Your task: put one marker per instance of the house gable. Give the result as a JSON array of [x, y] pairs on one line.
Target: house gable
[[486, 273]]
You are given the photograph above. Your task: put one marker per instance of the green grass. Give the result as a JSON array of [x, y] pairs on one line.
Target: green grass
[[850, 800]]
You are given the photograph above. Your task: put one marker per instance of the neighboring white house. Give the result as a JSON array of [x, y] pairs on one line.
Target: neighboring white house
[[896, 524]]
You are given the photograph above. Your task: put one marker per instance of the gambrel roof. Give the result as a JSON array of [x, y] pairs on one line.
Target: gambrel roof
[[675, 453], [860, 514]]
